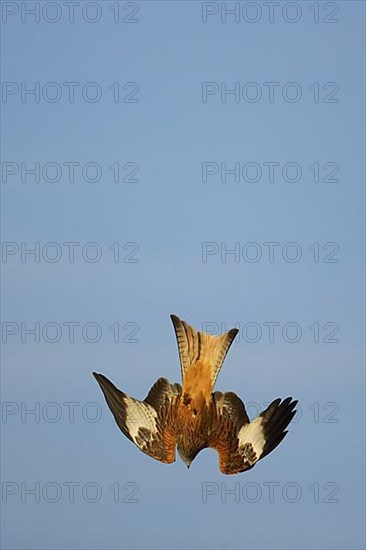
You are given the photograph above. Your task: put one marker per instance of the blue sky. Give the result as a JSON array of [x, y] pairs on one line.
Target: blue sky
[[161, 222]]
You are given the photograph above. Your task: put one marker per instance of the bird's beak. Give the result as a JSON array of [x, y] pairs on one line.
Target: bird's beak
[[188, 465]]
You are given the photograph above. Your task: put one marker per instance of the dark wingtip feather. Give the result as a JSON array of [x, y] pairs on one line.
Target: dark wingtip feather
[[276, 419], [103, 380], [111, 393]]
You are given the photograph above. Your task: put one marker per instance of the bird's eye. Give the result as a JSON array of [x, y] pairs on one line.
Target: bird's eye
[[195, 412]]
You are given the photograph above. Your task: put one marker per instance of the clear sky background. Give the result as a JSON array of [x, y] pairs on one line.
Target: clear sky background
[[317, 473]]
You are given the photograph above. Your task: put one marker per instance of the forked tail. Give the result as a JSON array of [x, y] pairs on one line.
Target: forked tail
[[201, 352]]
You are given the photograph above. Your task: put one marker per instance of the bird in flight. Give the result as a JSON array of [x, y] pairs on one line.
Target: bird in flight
[[194, 417]]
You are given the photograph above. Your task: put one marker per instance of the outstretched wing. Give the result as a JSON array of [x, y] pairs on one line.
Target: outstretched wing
[[241, 443], [150, 424]]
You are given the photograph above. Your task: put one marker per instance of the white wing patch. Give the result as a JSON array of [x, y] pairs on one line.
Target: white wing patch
[[252, 441], [139, 415], [149, 424]]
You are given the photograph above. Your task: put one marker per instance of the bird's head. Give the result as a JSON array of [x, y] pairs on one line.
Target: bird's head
[[187, 454]]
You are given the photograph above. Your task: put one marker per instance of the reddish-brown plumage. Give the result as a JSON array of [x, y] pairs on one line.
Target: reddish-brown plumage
[[197, 384], [194, 417]]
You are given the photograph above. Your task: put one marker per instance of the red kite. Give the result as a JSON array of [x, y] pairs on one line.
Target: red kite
[[194, 417]]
